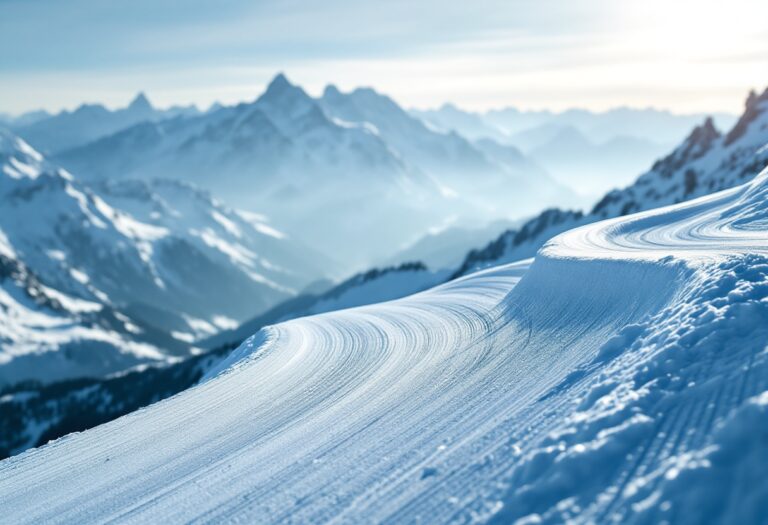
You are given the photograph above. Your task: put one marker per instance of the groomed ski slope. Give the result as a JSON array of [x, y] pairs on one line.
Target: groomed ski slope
[[623, 378]]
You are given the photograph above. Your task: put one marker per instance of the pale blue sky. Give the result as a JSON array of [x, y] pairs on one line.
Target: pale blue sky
[[679, 54]]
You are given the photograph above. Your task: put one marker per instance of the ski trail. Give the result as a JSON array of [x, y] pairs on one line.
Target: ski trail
[[576, 387]]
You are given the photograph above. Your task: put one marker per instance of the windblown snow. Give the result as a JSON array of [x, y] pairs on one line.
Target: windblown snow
[[622, 375]]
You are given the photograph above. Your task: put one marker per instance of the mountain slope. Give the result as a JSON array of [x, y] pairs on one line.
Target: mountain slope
[[48, 335], [225, 235], [145, 251], [31, 414], [704, 163], [596, 387]]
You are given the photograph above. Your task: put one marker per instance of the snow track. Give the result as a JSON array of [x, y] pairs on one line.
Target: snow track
[[613, 382]]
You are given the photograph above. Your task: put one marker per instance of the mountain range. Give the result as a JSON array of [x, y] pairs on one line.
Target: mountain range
[[51, 134], [591, 152], [312, 165]]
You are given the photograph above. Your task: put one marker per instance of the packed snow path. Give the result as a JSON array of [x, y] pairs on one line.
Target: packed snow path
[[621, 378]]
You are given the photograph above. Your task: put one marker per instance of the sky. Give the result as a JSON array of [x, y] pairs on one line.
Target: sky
[[682, 55]]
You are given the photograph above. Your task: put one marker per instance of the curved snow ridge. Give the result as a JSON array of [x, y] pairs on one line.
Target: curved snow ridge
[[725, 222], [617, 379]]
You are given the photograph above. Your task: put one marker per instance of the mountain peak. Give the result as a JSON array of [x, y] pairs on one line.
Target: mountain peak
[[702, 137], [140, 103], [281, 95], [709, 125], [279, 84], [754, 108], [753, 98], [331, 91]]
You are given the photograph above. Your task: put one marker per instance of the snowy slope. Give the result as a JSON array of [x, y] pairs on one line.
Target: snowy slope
[[48, 335], [31, 414], [705, 162], [156, 237], [225, 235], [622, 378]]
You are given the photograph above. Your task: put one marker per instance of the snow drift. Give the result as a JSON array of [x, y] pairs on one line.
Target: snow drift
[[623, 376]]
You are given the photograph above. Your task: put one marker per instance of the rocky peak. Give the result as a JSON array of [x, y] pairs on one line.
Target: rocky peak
[[140, 103], [703, 135], [280, 88], [331, 92], [754, 106]]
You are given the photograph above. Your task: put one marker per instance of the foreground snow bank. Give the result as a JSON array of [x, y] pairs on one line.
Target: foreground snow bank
[[622, 378], [656, 429]]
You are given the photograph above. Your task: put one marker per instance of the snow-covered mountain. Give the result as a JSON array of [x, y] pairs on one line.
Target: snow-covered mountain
[[53, 323], [352, 174], [48, 335], [705, 162], [51, 134], [158, 257], [281, 155], [621, 376], [226, 236]]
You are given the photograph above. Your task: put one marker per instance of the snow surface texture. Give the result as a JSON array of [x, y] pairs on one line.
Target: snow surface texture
[[622, 378]]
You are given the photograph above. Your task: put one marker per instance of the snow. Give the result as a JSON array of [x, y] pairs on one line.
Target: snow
[[46, 345], [620, 376]]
